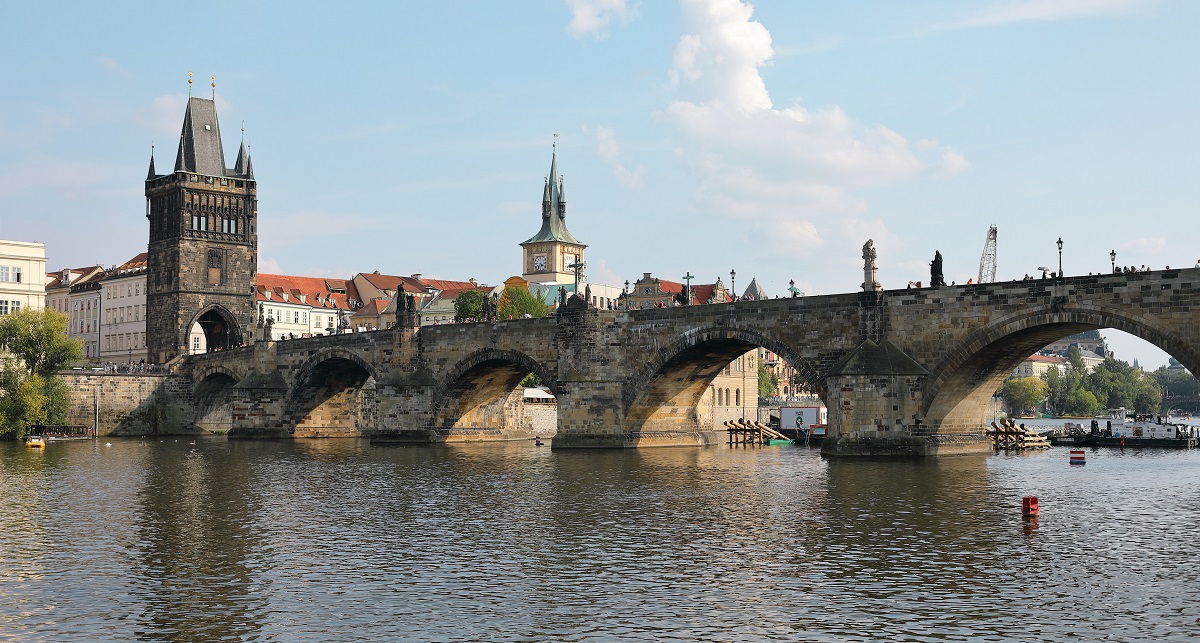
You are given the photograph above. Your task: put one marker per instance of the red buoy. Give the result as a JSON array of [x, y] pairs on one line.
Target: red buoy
[[1029, 506]]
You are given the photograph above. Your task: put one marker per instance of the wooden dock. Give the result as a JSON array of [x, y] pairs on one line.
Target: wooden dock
[[1007, 436], [743, 432]]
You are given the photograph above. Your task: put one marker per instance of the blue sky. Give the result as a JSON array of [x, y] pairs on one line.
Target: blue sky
[[700, 136]]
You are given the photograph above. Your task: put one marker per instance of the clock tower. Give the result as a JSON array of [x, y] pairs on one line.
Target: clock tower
[[548, 256]]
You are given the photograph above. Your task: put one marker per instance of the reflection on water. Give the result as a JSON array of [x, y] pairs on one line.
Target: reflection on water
[[337, 540]]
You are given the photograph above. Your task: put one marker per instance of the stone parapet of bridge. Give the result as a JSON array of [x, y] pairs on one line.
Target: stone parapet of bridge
[[902, 371]]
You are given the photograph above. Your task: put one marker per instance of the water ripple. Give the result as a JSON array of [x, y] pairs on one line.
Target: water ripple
[[339, 540]]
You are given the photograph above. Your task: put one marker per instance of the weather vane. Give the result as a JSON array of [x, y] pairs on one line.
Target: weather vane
[[189, 84], [214, 86]]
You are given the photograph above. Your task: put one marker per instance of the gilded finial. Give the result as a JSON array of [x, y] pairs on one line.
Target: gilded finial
[[189, 84], [214, 86]]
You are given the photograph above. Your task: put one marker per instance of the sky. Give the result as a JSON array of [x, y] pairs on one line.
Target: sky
[[699, 137]]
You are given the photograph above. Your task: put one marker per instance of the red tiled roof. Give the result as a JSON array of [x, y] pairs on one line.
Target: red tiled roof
[[1051, 359], [314, 289], [137, 262], [373, 308]]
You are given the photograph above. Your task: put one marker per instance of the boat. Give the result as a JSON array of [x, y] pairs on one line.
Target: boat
[[1137, 431], [1069, 434], [35, 442], [61, 432]]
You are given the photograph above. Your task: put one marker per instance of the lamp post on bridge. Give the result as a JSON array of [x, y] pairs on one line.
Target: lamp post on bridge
[[1060, 272], [733, 285], [626, 293], [687, 290], [1112, 256]]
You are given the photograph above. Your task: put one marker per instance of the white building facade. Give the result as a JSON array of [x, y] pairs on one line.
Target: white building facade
[[123, 315], [22, 276]]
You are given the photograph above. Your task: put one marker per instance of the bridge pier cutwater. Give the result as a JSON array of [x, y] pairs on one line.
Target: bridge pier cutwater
[[903, 372]]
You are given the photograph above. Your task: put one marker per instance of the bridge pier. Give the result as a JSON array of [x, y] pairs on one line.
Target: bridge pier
[[875, 397]]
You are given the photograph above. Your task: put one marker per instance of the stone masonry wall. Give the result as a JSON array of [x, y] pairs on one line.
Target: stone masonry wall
[[130, 405]]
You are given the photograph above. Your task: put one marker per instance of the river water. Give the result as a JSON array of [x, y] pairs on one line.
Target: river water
[[338, 540]]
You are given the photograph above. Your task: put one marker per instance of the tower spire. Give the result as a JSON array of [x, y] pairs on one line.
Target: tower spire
[[151, 174]]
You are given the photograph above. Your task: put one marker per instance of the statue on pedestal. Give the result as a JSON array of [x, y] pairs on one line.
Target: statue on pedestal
[[869, 282], [935, 270]]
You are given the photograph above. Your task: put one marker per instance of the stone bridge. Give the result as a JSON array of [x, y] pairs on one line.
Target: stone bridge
[[901, 371]]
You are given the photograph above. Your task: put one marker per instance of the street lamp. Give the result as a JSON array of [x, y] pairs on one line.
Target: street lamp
[[1060, 272], [1112, 256], [733, 284], [626, 294]]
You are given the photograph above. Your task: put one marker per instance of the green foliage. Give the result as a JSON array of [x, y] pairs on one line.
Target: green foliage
[[469, 305], [1082, 402], [1023, 394], [768, 381], [38, 339], [36, 347], [31, 400], [531, 381], [1113, 384], [517, 302]]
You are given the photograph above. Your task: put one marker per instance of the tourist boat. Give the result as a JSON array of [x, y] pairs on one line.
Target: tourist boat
[[61, 432], [35, 442], [1143, 431]]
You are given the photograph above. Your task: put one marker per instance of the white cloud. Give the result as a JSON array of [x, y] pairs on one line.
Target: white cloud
[[269, 266], [1019, 11], [1147, 244], [598, 272], [609, 150], [591, 17], [788, 170]]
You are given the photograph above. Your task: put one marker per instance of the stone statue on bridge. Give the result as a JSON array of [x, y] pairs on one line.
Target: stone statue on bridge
[[406, 310], [935, 270], [869, 282]]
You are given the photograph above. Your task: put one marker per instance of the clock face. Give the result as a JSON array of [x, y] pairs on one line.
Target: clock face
[[539, 263]]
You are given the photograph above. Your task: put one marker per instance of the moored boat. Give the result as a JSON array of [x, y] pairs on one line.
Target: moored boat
[[1154, 431]]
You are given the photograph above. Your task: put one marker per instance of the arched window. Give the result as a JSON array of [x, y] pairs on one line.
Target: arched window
[[737, 397]]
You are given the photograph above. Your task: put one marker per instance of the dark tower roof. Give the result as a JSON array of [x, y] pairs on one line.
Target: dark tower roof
[[554, 210], [200, 142], [243, 167], [150, 175]]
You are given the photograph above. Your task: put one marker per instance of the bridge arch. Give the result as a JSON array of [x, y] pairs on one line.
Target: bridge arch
[[212, 328], [960, 385], [481, 392], [212, 398], [669, 387], [332, 395]]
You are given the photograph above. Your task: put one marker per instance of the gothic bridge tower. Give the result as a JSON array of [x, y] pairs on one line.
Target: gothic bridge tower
[[203, 248]]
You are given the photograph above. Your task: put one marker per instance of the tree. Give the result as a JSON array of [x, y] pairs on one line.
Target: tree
[[517, 302], [469, 305], [768, 381], [38, 340], [1023, 394], [531, 381], [36, 346], [1081, 402]]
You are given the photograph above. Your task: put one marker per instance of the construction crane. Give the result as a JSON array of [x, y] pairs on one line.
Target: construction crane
[[987, 263]]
